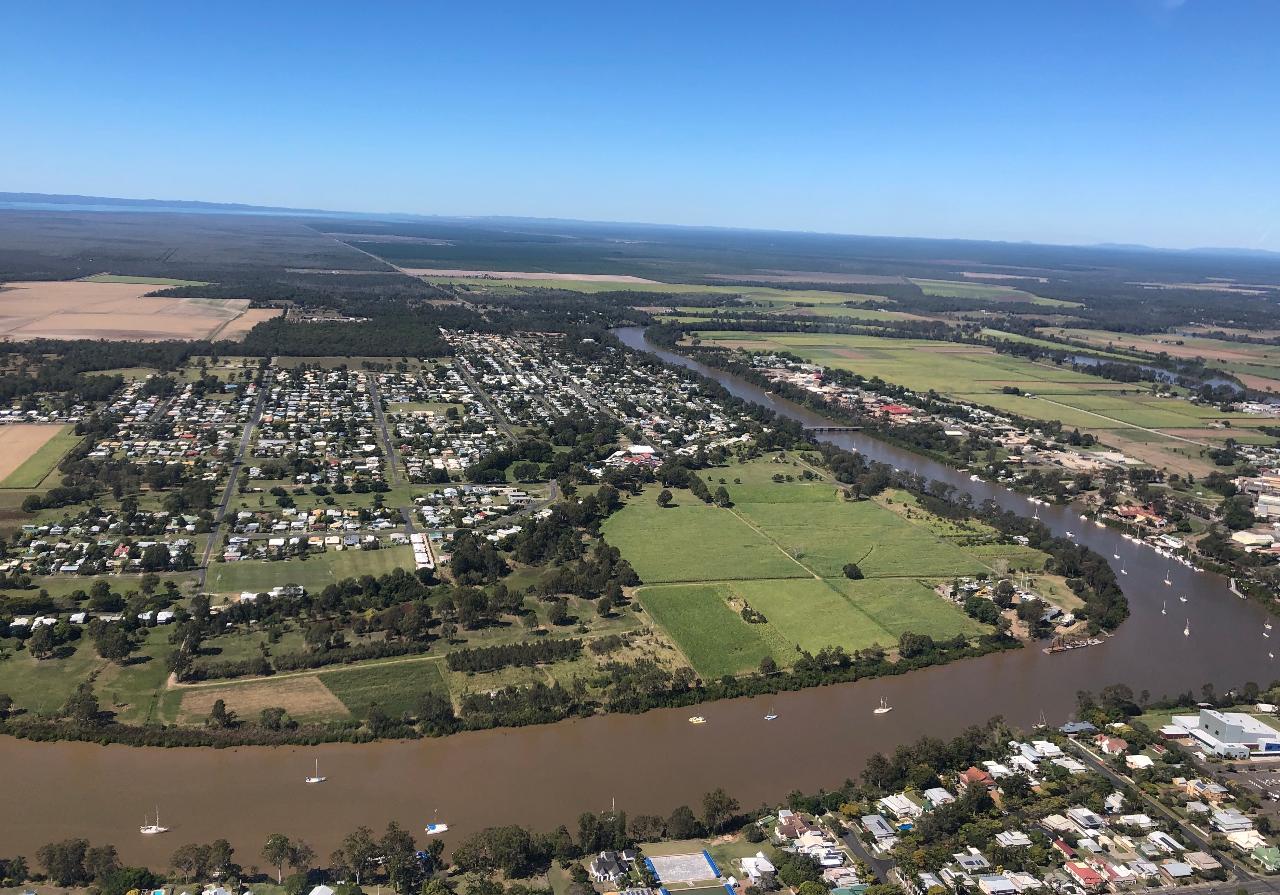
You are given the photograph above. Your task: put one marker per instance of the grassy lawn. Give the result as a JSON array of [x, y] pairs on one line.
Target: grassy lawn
[[34, 469], [394, 687], [901, 605], [43, 685], [812, 615], [312, 573], [693, 542], [712, 636]]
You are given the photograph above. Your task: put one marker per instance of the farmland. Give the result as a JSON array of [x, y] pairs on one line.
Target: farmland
[[1177, 432], [114, 310], [800, 588], [29, 452]]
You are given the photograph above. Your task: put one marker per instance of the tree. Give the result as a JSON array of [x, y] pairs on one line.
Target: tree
[[63, 862], [277, 852], [768, 665], [82, 705], [220, 853], [682, 824], [852, 572], [722, 497], [718, 807], [302, 857], [101, 861], [114, 643], [42, 643], [360, 850], [400, 858], [192, 861], [664, 498], [220, 716]]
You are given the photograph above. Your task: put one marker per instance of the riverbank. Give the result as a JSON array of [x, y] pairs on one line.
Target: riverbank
[[546, 775]]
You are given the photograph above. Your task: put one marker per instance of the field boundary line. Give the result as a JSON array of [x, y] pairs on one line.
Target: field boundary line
[[747, 522]]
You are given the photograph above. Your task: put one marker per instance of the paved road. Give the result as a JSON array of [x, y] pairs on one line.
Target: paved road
[[380, 420], [1241, 872], [503, 423], [879, 866], [215, 533]]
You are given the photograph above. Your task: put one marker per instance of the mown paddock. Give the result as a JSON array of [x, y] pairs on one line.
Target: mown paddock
[[304, 697], [394, 686], [30, 451], [313, 573], [693, 542], [713, 637]]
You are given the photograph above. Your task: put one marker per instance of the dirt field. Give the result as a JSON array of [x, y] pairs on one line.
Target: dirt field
[[237, 329], [84, 310], [525, 275], [19, 442], [302, 697]]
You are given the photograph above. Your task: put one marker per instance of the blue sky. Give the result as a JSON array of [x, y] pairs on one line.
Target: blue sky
[[1146, 121]]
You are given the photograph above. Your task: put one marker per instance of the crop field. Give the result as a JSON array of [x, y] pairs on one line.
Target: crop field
[[900, 548], [981, 291], [694, 542], [393, 686], [304, 697], [312, 573], [28, 453], [713, 637], [978, 374], [82, 309]]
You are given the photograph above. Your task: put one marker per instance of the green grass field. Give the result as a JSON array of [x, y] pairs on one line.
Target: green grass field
[[36, 467], [313, 573], [693, 542], [395, 688], [901, 549], [713, 637]]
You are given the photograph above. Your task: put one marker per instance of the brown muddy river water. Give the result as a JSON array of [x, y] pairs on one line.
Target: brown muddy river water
[[544, 776]]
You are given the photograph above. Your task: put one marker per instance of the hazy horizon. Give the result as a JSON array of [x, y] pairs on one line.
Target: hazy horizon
[[1145, 122]]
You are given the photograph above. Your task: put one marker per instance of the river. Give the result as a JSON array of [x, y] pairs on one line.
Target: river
[[544, 776]]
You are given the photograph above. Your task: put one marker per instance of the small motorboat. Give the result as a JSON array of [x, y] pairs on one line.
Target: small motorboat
[[884, 708], [697, 719], [1084, 517], [1071, 534], [435, 828], [1271, 655], [152, 829]]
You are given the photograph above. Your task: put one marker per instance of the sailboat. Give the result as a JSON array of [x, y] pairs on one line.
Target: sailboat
[[1166, 577], [697, 719], [152, 829], [1186, 631], [884, 708], [316, 778], [1271, 655], [1266, 626], [1115, 556], [1124, 571], [772, 716], [435, 827], [1164, 607], [1182, 598]]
